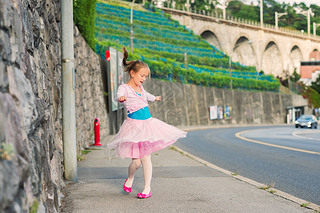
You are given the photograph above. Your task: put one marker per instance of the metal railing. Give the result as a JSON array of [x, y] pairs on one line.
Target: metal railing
[[232, 19]]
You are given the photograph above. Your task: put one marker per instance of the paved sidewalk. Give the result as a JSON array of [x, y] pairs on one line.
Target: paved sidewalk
[[179, 184]]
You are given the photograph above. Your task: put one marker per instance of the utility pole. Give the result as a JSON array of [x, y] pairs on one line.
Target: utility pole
[[185, 60], [188, 6], [307, 13], [224, 5], [131, 27], [68, 93]]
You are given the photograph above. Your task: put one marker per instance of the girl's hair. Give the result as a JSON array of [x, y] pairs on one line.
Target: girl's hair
[[134, 65]]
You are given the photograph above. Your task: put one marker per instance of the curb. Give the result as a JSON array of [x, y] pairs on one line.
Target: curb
[[301, 202], [196, 128]]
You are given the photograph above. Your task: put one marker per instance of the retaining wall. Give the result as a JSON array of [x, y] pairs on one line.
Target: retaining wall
[[188, 105]]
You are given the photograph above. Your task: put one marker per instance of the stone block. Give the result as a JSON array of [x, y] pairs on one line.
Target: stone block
[[28, 31], [5, 46], [4, 13], [9, 183], [4, 83], [20, 88]]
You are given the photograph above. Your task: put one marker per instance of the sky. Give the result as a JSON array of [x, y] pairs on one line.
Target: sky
[[307, 2]]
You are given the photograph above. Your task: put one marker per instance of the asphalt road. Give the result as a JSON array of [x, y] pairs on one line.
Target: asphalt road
[[289, 158]]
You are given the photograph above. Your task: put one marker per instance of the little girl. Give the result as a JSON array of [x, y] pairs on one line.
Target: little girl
[[140, 134]]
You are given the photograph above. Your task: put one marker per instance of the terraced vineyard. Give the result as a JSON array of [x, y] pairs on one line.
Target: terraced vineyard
[[162, 43]]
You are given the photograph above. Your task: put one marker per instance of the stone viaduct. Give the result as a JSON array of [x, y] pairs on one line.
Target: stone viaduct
[[275, 51]]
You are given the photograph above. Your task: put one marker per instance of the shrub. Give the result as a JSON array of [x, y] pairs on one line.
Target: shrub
[[84, 17]]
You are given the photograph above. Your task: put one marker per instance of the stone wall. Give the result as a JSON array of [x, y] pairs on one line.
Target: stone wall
[[90, 102], [30, 103]]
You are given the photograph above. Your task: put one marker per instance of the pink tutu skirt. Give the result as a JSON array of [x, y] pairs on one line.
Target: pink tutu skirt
[[138, 138]]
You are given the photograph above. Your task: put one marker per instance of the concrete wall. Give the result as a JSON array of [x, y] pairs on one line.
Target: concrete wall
[[188, 105]]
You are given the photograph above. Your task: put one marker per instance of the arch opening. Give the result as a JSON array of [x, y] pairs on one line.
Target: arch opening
[[211, 38], [295, 59], [271, 62], [243, 52], [314, 55]]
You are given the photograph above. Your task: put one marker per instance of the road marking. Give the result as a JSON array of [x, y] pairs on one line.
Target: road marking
[[296, 134], [238, 135]]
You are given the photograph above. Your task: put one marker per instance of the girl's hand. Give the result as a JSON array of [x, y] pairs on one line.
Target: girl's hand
[[158, 98], [122, 98]]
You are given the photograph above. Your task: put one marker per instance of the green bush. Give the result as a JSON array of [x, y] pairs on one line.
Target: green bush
[[312, 96], [84, 12], [168, 71]]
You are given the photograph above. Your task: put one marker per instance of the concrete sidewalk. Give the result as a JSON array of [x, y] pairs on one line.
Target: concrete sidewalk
[[179, 184]]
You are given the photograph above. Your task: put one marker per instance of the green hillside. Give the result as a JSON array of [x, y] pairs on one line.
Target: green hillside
[[162, 43]]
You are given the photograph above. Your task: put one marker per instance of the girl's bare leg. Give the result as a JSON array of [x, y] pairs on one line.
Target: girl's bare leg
[[133, 167], [147, 173]]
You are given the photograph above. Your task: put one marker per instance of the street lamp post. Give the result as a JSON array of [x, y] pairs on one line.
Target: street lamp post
[[278, 15], [315, 26], [188, 6], [307, 13], [131, 27], [224, 5], [261, 13]]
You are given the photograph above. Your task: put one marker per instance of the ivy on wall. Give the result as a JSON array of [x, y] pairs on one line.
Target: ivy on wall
[[84, 12]]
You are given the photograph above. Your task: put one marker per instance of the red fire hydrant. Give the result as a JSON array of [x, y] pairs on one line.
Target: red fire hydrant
[[97, 132]]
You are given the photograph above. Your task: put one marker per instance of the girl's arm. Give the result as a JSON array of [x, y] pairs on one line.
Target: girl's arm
[[158, 98], [121, 94], [150, 97]]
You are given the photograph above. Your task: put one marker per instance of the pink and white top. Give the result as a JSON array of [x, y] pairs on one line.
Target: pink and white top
[[134, 101]]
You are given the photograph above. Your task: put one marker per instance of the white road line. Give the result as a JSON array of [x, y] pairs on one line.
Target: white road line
[[238, 135], [296, 134]]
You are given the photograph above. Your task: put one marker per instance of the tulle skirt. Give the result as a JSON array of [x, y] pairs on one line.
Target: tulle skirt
[[138, 138]]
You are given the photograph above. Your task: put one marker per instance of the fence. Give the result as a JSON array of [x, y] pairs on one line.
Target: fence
[[231, 19]]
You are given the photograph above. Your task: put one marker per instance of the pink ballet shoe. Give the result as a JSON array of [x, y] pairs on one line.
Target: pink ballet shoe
[[143, 196], [127, 189]]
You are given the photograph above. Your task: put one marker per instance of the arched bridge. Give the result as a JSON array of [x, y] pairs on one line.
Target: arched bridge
[[275, 51]]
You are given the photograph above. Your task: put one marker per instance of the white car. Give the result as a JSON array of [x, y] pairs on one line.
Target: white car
[[309, 121]]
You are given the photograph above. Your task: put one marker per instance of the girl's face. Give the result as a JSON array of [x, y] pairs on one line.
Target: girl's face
[[140, 76]]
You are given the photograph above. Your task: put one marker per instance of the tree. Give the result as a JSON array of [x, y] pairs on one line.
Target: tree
[[248, 12], [316, 85], [295, 77]]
